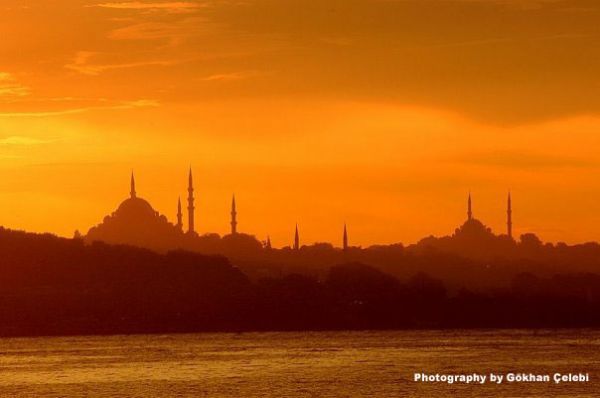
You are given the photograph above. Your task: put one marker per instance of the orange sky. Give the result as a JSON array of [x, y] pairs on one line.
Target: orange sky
[[379, 113]]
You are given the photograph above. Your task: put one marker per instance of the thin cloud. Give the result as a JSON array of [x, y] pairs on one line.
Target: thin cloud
[[22, 140], [9, 87], [226, 77], [13, 91], [148, 31], [175, 32], [142, 103], [81, 63], [138, 5]]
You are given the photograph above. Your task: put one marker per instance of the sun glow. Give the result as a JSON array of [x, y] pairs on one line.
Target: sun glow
[[383, 129]]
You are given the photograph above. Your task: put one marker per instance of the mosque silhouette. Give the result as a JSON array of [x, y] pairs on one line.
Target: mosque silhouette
[[136, 223]]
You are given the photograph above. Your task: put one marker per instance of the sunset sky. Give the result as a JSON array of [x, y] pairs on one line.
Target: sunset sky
[[379, 113]]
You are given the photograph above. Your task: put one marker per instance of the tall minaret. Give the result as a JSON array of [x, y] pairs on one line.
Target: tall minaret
[[190, 203], [509, 223], [345, 239], [469, 208], [132, 192], [268, 243], [296, 239], [179, 215], [233, 217]]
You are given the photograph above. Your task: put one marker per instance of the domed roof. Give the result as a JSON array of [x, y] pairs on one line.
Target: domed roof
[[135, 205], [136, 223], [473, 228]]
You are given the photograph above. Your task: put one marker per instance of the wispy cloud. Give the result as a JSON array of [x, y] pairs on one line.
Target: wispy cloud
[[9, 87], [13, 91], [148, 31], [123, 105], [22, 140], [81, 63], [10, 157], [138, 5], [226, 77], [172, 31]]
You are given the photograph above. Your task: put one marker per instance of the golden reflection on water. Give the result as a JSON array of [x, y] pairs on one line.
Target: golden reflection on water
[[328, 364]]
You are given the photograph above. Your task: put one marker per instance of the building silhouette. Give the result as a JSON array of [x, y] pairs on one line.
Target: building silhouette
[[296, 239], [132, 191], [191, 229], [179, 215], [469, 208], [135, 222], [233, 217], [509, 223]]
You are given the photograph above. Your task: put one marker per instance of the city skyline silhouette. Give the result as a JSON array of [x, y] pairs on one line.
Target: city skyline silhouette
[[287, 198], [372, 119], [137, 215]]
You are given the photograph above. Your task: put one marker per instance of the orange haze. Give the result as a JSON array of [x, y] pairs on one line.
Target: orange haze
[[380, 114]]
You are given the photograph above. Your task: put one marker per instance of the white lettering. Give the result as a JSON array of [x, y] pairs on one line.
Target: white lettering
[[494, 378], [527, 378], [571, 378]]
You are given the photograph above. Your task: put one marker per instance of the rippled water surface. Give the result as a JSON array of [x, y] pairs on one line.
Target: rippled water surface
[[329, 364]]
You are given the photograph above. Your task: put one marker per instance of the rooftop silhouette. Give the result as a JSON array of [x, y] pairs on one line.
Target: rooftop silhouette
[[135, 222], [206, 282]]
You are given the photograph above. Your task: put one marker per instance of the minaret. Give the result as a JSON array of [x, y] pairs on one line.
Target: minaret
[[296, 239], [190, 203], [509, 223], [132, 192], [179, 215], [268, 243], [345, 239], [469, 208], [233, 217]]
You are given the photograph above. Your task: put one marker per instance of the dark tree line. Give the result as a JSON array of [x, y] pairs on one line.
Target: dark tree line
[[50, 285]]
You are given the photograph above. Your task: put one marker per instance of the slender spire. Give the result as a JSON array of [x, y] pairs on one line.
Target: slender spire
[[190, 203], [297, 239], [509, 223], [345, 239], [233, 217], [268, 243], [469, 208], [179, 214], [132, 192]]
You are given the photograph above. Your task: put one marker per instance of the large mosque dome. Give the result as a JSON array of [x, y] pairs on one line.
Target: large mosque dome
[[136, 223], [135, 207]]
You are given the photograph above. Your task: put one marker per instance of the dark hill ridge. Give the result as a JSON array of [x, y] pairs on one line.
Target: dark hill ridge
[[61, 285], [57, 286]]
